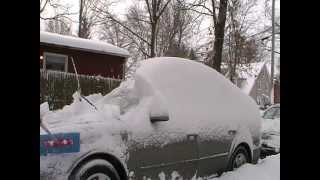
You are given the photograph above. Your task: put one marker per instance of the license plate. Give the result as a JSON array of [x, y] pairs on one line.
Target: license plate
[[59, 143]]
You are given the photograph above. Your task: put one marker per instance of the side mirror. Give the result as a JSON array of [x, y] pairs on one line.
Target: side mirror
[[158, 109]]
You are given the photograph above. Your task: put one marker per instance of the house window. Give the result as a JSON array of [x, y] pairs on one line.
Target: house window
[[56, 62]]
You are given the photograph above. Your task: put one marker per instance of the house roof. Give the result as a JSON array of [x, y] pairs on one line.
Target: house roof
[[250, 75], [82, 44]]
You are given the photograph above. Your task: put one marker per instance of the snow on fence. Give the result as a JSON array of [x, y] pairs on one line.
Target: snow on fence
[[57, 88]]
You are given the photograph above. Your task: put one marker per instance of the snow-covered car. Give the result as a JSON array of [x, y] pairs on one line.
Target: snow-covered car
[[176, 117], [270, 143]]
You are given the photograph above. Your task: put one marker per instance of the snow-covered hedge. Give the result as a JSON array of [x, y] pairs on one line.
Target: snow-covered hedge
[[57, 88]]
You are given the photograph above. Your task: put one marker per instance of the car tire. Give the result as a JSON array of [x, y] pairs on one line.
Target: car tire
[[97, 169], [239, 157]]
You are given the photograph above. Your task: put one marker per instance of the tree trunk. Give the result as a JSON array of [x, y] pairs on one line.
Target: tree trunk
[[80, 34], [153, 39], [219, 35]]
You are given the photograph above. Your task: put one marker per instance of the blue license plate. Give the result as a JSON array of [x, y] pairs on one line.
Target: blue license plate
[[59, 143]]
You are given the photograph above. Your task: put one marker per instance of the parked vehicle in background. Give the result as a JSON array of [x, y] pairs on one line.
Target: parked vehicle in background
[[177, 117], [270, 143], [273, 112]]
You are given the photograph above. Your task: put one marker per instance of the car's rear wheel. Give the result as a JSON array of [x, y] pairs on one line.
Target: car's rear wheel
[[239, 157], [97, 169]]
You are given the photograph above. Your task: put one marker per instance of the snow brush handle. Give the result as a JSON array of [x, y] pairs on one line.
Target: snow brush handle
[[95, 107]]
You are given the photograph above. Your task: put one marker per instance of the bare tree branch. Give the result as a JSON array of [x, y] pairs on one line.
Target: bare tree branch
[[149, 10], [214, 15], [44, 5], [194, 10], [162, 10]]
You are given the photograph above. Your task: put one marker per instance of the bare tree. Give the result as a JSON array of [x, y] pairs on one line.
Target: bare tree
[[148, 18], [176, 30], [87, 18], [59, 27], [115, 34], [61, 11], [210, 8], [171, 37], [219, 25], [241, 50], [155, 10]]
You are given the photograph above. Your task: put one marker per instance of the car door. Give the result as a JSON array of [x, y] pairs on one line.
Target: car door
[[166, 151], [213, 146]]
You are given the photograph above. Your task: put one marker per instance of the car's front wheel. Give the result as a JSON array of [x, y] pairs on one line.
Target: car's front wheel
[[239, 157], [97, 169]]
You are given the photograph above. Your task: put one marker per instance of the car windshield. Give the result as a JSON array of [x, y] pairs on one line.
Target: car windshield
[[272, 113], [277, 114], [123, 97]]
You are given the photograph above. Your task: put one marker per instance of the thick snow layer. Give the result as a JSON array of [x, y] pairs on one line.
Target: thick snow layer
[[196, 94], [44, 109], [85, 44], [109, 106], [266, 169]]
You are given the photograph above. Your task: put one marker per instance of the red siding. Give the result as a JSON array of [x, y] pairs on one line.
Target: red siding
[[90, 63], [277, 92]]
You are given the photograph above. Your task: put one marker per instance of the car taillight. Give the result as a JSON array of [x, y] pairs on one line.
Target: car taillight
[[58, 143]]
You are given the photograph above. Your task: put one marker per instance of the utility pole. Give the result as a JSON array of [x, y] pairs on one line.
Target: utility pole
[[273, 47]]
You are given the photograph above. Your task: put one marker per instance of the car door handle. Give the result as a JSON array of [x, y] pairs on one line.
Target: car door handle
[[232, 132]]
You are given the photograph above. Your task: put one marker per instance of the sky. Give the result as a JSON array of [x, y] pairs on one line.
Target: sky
[[122, 5]]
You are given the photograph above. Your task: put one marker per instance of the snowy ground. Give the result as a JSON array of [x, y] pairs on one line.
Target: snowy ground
[[266, 169]]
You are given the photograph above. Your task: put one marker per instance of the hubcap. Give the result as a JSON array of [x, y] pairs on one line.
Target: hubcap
[[239, 160], [99, 176]]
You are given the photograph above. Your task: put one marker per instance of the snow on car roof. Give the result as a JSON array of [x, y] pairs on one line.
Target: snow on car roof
[[194, 92], [83, 44]]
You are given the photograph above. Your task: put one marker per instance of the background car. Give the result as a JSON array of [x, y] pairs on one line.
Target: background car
[[271, 131], [273, 112], [176, 117]]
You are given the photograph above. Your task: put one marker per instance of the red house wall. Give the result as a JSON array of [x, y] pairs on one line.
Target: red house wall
[[89, 63], [276, 92]]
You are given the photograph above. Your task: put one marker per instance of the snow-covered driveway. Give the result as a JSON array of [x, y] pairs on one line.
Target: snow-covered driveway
[[266, 169]]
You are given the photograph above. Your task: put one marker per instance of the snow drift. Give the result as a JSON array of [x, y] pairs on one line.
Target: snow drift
[[266, 169]]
